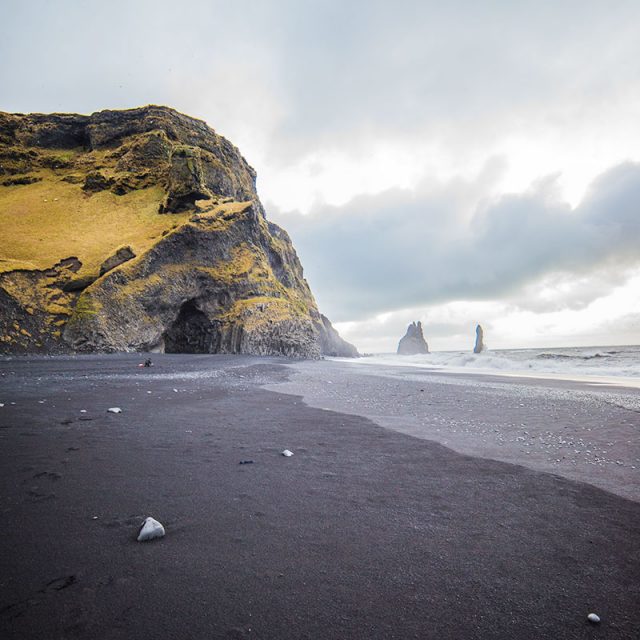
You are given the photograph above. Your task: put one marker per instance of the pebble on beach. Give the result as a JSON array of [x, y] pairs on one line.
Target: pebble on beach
[[150, 529], [287, 454], [594, 618], [114, 410]]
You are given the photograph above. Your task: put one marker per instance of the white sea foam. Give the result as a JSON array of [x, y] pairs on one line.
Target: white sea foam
[[620, 365]]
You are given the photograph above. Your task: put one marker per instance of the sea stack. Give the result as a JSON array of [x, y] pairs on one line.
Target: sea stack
[[141, 230], [413, 341], [479, 346]]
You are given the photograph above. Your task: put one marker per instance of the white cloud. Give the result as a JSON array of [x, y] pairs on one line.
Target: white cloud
[[405, 249]]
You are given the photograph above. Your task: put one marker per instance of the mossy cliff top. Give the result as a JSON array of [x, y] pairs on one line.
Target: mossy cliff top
[[140, 229]]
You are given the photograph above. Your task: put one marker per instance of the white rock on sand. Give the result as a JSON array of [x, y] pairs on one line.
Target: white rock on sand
[[115, 410], [287, 453], [594, 618], [150, 529]]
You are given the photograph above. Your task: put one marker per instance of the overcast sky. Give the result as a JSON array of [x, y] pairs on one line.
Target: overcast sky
[[455, 162]]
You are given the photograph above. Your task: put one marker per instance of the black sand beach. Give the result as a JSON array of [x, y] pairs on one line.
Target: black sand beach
[[366, 532], [582, 431]]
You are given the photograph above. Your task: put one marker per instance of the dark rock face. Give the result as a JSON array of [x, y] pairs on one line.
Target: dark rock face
[[119, 257], [413, 341], [12, 182], [144, 142], [33, 307], [95, 182], [331, 344], [51, 131], [191, 332], [186, 181], [176, 298], [221, 279], [479, 345]]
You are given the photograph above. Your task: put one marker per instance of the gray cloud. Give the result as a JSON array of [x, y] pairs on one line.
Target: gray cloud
[[562, 291], [340, 75], [407, 248], [460, 71]]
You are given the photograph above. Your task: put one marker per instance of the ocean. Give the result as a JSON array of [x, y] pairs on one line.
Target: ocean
[[617, 364]]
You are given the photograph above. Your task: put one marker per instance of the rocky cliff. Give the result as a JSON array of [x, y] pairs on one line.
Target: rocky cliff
[[141, 230], [413, 341]]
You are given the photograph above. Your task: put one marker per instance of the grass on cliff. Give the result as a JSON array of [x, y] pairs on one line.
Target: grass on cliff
[[45, 222]]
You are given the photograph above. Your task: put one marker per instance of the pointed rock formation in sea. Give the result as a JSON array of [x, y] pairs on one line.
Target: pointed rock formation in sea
[[413, 341], [141, 230], [479, 346]]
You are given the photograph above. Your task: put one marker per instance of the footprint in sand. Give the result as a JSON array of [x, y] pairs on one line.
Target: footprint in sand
[[17, 609], [49, 475], [35, 495], [58, 584]]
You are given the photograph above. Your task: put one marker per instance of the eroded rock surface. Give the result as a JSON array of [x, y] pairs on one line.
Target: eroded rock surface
[[119, 257], [479, 345], [331, 344], [413, 341]]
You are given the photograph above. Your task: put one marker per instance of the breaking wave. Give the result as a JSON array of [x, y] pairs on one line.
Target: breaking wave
[[565, 362], [564, 356]]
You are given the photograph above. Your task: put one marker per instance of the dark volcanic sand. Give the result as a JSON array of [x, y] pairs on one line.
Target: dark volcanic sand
[[364, 533]]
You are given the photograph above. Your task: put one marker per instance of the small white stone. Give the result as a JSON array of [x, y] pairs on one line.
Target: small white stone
[[594, 618], [115, 410], [175, 391], [287, 454], [1, 405], [83, 411], [150, 529]]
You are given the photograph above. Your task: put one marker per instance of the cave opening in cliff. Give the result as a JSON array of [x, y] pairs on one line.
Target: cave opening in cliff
[[191, 332]]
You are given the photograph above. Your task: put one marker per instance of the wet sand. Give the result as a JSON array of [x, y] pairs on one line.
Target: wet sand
[[585, 432], [366, 532]]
